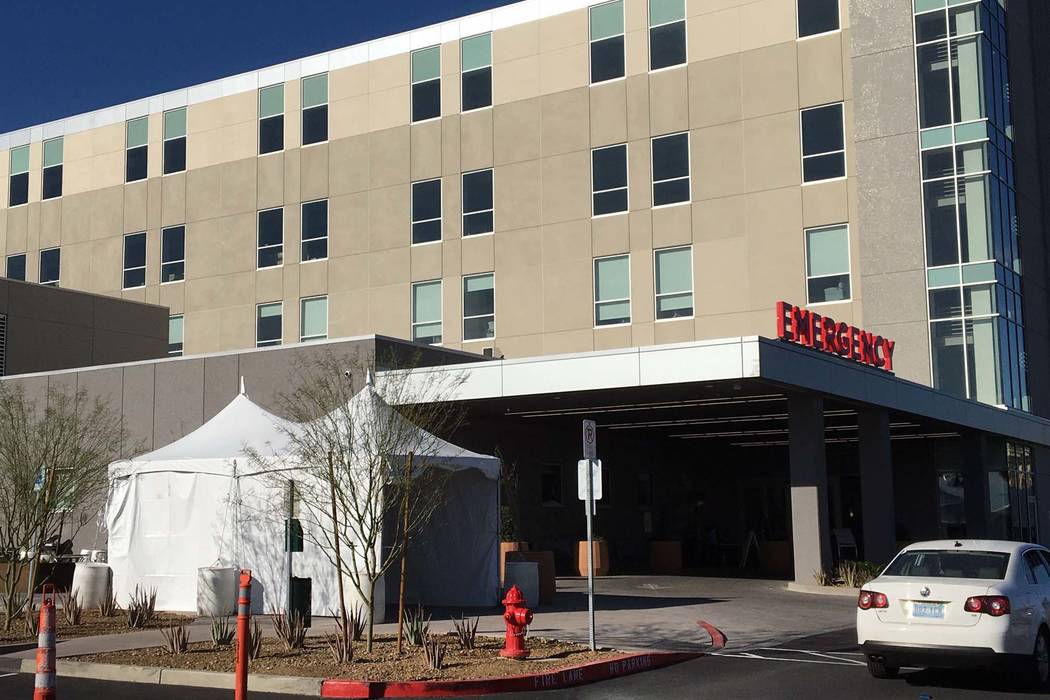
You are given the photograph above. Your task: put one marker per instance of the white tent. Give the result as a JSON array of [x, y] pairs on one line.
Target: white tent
[[198, 503]]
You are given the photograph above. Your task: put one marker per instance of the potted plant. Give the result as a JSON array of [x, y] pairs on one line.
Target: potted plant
[[510, 536], [599, 553]]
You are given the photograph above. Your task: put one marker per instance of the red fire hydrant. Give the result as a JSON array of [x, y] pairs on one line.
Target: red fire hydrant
[[518, 618]]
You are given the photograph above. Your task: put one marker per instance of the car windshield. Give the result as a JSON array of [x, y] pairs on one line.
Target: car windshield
[[929, 563]]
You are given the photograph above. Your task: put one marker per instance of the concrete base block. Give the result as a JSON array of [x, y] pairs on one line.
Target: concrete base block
[[526, 576]]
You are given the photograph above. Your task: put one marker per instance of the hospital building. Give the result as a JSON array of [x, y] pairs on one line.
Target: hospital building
[[790, 255]]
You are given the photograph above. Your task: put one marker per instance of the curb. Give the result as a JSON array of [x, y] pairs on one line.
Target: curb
[[837, 591], [288, 685], [562, 678]]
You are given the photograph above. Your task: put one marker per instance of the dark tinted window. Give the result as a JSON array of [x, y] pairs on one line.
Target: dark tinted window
[[823, 154], [52, 182], [949, 564], [315, 124], [426, 100], [609, 179], [135, 168], [1040, 574], [315, 230], [134, 260], [173, 254], [175, 155], [16, 267], [671, 169], [935, 106], [477, 89], [477, 202], [817, 16], [426, 211], [667, 45], [271, 134], [607, 59], [19, 193], [271, 237], [50, 266]]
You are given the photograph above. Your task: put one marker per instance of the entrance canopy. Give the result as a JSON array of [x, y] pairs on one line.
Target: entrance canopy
[[200, 502]]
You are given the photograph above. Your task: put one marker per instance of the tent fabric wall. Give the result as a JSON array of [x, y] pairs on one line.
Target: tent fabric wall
[[188, 506]]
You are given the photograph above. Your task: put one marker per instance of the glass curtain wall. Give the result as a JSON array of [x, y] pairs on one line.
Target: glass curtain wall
[[970, 218], [1012, 511]]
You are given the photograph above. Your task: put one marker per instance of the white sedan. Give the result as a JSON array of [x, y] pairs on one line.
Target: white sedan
[[959, 604]]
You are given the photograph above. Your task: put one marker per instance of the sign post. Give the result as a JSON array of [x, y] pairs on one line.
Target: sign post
[[588, 464]]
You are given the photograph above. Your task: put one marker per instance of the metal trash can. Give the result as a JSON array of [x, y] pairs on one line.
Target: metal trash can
[[301, 598]]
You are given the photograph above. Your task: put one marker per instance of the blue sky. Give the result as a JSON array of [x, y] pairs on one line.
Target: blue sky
[[64, 57]]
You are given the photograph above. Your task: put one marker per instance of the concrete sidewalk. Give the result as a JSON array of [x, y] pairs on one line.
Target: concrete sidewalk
[[632, 613]]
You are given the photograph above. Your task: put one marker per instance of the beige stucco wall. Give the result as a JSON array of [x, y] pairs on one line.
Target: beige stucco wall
[[739, 98]]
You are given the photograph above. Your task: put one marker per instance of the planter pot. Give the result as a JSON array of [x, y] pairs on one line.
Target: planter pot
[[505, 547], [665, 557], [600, 554]]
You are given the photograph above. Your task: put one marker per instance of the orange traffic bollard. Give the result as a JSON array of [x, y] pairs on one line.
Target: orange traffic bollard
[[45, 648], [244, 603]]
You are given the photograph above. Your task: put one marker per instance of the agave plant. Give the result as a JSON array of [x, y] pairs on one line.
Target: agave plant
[[289, 629], [177, 639], [222, 632], [466, 631], [417, 627], [434, 651]]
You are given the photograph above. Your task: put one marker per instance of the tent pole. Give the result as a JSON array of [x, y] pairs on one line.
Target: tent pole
[[404, 553]]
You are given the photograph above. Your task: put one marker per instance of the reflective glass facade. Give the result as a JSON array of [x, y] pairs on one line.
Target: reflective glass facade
[[970, 216]]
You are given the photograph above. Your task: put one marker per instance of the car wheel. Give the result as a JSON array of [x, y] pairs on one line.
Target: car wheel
[[879, 669], [1040, 674]]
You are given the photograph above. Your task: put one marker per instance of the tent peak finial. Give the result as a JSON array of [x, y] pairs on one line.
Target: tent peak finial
[[370, 378], [242, 392]]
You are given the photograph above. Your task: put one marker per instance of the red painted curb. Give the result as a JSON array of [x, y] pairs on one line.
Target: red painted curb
[[562, 678]]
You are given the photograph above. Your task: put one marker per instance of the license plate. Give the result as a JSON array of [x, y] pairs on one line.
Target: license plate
[[929, 611]]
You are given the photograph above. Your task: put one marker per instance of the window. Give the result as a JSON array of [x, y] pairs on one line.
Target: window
[[476, 59], [671, 170], [271, 119], [52, 175], [136, 155], [50, 266], [947, 563], [175, 141], [479, 307], [612, 290], [16, 267], [1038, 572], [175, 327], [426, 312], [666, 33], [607, 41], [271, 238], [674, 283], [426, 84], [823, 144], [315, 109], [268, 324], [817, 17], [315, 231], [607, 57], [173, 254], [19, 180], [426, 211], [609, 180], [134, 260], [827, 264], [477, 202], [313, 319]]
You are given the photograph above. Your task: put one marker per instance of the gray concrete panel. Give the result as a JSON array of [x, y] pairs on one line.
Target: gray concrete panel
[[179, 404], [221, 382], [884, 95], [880, 25], [138, 394]]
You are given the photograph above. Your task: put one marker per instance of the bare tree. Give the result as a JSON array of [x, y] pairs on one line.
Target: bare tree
[[54, 461], [363, 505]]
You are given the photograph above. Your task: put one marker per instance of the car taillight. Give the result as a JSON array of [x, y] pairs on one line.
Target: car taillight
[[870, 599], [994, 605]]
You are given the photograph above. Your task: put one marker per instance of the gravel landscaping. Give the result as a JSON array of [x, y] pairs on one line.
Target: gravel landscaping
[[383, 664], [91, 625]]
